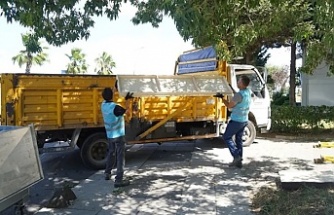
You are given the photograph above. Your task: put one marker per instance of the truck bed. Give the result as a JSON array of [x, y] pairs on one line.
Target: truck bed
[[53, 102]]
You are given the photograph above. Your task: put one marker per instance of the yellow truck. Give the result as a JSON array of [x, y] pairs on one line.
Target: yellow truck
[[67, 108]]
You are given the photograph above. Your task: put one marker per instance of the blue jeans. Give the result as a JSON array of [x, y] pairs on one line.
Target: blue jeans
[[237, 129], [116, 155]]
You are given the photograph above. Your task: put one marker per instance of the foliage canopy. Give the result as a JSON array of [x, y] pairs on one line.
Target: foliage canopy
[[237, 28]]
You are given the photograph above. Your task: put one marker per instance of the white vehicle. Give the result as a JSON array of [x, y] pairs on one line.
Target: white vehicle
[[205, 62]]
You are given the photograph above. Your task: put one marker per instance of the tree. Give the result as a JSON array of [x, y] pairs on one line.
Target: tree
[[60, 22], [292, 94], [105, 63], [32, 54], [77, 63], [294, 79], [262, 57], [243, 28], [236, 27], [259, 58], [279, 76]]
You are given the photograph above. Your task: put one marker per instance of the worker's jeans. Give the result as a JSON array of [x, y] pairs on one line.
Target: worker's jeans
[[116, 155], [237, 129]]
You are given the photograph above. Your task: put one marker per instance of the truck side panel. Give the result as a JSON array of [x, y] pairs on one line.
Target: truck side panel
[[203, 108], [53, 101]]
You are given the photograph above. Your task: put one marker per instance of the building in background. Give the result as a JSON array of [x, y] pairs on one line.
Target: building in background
[[317, 89]]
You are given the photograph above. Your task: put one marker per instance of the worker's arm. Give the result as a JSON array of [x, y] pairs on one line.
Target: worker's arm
[[228, 104], [127, 106], [119, 110], [234, 101]]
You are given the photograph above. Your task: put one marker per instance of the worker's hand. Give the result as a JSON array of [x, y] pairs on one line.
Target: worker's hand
[[219, 95], [129, 96]]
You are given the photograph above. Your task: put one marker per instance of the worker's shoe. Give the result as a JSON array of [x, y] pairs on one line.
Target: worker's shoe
[[122, 183], [107, 176], [237, 162]]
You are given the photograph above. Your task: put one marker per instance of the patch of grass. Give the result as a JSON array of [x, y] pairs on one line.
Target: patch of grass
[[304, 201]]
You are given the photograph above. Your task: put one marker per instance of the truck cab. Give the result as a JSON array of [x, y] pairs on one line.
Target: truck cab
[[206, 62], [260, 110]]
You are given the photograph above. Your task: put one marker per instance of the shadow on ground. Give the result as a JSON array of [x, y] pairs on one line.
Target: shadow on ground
[[188, 178]]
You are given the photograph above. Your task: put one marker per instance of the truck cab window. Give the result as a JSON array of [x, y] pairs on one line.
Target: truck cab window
[[255, 84]]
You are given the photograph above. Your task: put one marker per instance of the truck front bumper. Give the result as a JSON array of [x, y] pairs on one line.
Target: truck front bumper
[[266, 128]]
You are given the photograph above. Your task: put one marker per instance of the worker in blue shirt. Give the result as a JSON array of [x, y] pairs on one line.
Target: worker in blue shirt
[[239, 105], [113, 117]]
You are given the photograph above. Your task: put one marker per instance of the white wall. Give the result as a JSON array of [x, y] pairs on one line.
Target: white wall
[[318, 89]]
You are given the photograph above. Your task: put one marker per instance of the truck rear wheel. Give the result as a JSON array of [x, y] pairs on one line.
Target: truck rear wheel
[[249, 134], [93, 151]]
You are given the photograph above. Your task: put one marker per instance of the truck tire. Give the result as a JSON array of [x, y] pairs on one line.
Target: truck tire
[[93, 151], [249, 134]]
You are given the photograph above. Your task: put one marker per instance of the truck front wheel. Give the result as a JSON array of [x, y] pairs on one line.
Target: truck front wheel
[[93, 151], [249, 134]]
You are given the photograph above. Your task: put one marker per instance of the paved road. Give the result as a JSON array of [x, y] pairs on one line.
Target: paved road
[[182, 174], [192, 178]]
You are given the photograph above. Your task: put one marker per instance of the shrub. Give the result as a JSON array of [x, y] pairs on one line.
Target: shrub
[[279, 98], [302, 119]]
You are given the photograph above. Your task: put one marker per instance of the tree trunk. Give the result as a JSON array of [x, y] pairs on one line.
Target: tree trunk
[[248, 58], [292, 93], [29, 63]]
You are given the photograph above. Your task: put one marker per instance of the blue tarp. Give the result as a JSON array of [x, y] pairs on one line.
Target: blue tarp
[[208, 53]]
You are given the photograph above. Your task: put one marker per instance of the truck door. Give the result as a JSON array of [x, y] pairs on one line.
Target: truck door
[[260, 106]]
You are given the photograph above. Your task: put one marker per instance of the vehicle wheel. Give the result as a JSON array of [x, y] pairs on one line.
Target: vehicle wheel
[[221, 129], [249, 134], [93, 151]]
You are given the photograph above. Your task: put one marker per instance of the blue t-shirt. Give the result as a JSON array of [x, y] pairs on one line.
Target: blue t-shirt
[[113, 119]]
